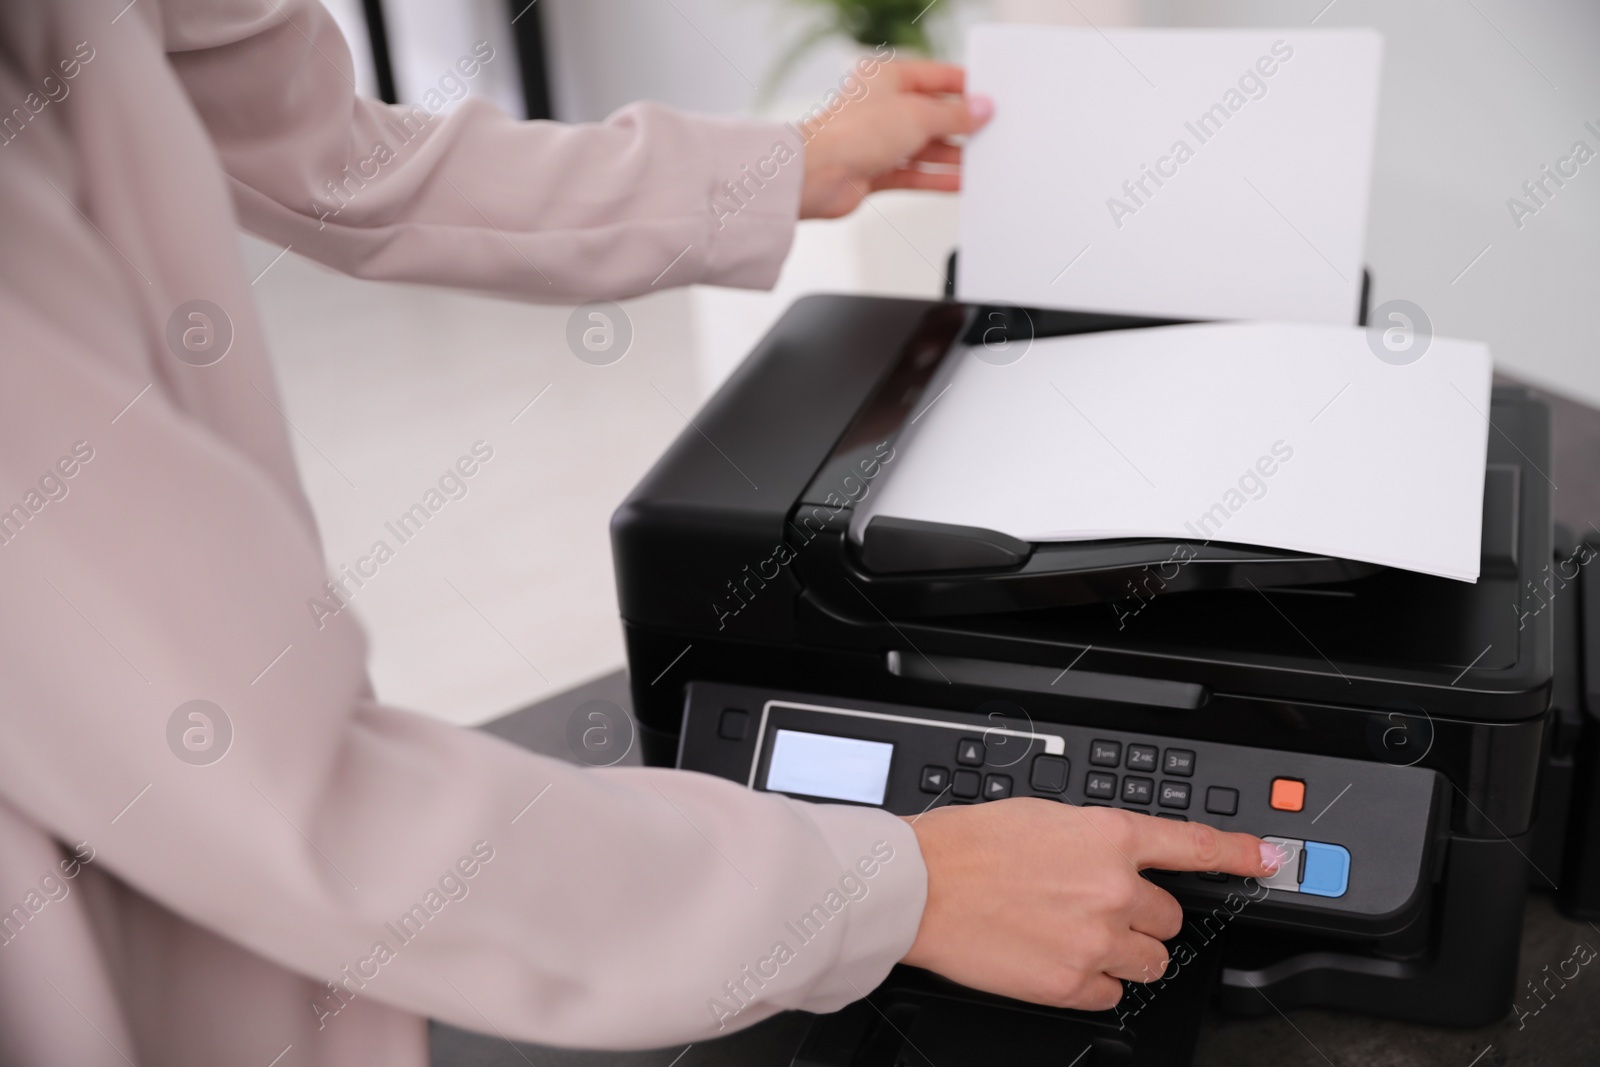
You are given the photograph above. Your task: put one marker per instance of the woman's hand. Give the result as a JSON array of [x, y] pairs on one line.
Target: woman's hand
[[1043, 901], [894, 136]]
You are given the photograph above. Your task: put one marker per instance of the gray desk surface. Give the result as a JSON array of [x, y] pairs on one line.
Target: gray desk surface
[[1564, 1030]]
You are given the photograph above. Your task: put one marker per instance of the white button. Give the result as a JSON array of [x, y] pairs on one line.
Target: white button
[[1287, 877]]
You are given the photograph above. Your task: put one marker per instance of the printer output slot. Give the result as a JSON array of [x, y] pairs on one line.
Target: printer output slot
[[1091, 685], [915, 1019]]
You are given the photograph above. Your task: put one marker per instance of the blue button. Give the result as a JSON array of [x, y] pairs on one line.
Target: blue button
[[1327, 870]]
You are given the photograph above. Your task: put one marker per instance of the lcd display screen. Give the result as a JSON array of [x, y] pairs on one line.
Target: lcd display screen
[[834, 768]]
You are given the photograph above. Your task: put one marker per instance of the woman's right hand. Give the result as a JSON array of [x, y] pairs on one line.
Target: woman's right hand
[[1043, 901], [905, 118]]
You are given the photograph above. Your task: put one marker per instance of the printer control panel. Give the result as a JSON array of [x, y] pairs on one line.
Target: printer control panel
[[1359, 835]]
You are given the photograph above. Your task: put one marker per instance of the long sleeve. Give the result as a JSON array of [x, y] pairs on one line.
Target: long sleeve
[[612, 911], [538, 210], [156, 551]]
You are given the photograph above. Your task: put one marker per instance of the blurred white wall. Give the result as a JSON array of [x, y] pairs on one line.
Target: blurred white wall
[[704, 55], [347, 13], [428, 37], [505, 596], [1476, 98]]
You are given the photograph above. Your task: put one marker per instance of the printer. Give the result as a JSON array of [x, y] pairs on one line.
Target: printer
[[1424, 748]]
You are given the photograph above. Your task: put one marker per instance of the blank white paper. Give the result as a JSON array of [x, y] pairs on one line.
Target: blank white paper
[[1290, 436], [1214, 174]]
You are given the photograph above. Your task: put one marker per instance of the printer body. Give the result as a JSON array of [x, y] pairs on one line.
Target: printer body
[[1395, 732]]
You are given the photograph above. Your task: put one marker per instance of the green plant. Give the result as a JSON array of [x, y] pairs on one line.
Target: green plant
[[900, 24], [874, 22]]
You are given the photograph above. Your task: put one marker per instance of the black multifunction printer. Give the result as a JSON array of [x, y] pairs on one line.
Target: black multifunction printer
[[1424, 748]]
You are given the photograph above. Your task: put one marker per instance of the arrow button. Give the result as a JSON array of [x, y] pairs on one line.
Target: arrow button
[[996, 787]]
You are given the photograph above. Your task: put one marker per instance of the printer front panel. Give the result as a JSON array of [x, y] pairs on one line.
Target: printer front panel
[[1360, 835]]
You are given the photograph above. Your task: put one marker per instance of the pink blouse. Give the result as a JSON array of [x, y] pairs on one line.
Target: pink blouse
[[345, 869]]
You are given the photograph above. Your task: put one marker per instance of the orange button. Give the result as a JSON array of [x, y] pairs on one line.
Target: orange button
[[1288, 794]]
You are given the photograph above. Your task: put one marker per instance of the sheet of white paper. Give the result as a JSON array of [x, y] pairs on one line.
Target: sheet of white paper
[[1292, 436], [1213, 174]]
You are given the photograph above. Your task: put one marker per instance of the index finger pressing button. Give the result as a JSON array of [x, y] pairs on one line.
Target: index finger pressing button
[[1287, 877], [1196, 847]]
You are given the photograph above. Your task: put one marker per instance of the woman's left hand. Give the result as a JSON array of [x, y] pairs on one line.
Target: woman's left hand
[[893, 136]]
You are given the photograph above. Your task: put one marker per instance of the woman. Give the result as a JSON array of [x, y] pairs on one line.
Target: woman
[[350, 869]]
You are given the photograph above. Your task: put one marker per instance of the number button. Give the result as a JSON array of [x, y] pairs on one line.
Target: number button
[[1100, 786], [1105, 753], [1142, 757], [1178, 761], [1174, 795]]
